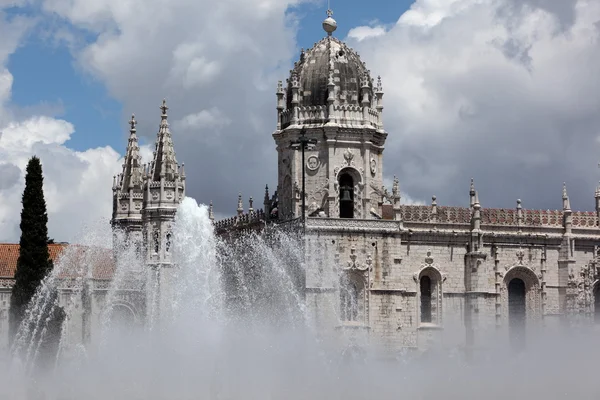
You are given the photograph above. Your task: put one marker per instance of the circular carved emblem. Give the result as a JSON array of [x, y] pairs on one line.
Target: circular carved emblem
[[313, 163], [373, 166]]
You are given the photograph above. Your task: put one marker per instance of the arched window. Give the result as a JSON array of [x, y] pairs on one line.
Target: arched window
[[351, 298], [122, 319], [425, 286], [517, 312], [429, 282], [346, 196], [349, 302]]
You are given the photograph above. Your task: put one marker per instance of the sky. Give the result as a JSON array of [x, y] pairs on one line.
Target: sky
[[503, 91]]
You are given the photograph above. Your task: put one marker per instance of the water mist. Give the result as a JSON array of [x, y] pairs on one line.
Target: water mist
[[233, 324]]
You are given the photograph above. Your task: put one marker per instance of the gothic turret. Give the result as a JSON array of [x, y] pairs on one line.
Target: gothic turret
[[128, 187], [330, 97], [164, 187]]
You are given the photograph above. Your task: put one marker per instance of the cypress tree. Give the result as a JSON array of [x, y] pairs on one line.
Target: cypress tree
[[34, 261]]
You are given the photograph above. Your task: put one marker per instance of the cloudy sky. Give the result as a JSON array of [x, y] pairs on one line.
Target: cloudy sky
[[504, 91]]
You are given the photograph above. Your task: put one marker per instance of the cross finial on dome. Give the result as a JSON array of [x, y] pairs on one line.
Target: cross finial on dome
[[329, 25]]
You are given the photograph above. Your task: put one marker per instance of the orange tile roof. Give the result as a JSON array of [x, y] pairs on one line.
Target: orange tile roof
[[102, 268]]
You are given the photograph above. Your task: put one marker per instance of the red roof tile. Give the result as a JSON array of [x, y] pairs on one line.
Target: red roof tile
[[78, 256]]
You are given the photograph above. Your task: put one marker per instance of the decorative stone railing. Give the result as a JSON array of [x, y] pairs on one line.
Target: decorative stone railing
[[241, 221], [346, 115], [343, 224], [135, 195], [585, 219], [497, 216]]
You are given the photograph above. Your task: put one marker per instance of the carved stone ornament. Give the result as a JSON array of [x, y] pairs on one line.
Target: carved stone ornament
[[155, 195], [348, 156], [520, 256], [313, 163], [373, 165], [382, 192], [354, 265], [320, 191], [429, 263]]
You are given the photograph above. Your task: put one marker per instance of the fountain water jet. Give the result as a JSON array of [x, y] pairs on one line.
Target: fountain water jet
[[234, 326]]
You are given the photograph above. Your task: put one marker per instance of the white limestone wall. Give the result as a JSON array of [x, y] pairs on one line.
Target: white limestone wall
[[393, 315]]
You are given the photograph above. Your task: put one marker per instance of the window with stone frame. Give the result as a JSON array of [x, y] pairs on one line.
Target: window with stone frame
[[156, 241], [430, 297], [352, 298], [168, 242]]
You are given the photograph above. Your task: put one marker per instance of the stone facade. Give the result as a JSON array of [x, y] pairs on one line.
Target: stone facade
[[378, 271], [403, 276], [145, 198]]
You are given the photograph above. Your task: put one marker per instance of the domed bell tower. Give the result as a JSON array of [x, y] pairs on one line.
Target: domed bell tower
[[330, 98]]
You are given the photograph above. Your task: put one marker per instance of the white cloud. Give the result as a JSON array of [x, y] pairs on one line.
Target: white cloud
[[365, 32], [216, 63], [212, 118], [76, 184], [502, 91]]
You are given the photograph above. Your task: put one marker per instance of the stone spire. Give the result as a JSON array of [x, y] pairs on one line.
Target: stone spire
[[519, 214], [472, 194], [240, 207], [567, 213], [128, 187], [476, 223], [164, 163], [211, 214], [396, 191], [565, 198], [132, 165], [251, 208], [267, 201]]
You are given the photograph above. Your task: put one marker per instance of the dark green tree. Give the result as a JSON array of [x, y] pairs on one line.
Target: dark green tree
[[34, 262]]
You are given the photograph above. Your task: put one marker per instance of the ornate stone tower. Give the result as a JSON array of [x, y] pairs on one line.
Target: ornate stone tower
[[128, 193], [145, 200], [330, 97], [164, 188]]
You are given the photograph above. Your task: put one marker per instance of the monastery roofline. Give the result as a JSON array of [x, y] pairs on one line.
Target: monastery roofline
[[458, 217], [103, 270]]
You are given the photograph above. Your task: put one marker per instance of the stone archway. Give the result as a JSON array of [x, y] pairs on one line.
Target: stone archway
[[517, 312], [522, 304], [123, 318], [348, 178], [430, 294], [352, 298]]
